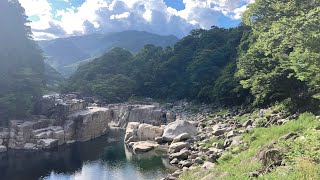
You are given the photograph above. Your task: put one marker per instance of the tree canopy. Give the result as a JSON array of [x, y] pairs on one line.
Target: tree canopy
[[21, 63]]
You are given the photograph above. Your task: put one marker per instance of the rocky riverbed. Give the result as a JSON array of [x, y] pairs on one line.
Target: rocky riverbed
[[199, 141]]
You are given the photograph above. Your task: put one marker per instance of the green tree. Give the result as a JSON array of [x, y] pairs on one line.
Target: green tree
[[266, 67], [21, 63]]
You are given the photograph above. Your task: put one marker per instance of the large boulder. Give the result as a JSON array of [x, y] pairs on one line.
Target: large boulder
[[91, 123], [149, 114], [176, 128], [148, 132], [143, 146]]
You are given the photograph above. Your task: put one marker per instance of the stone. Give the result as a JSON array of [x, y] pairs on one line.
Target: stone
[[148, 132], [29, 146], [290, 135], [232, 134], [213, 157], [159, 140], [145, 114], [3, 148], [60, 136], [174, 161], [218, 145], [198, 160], [181, 137], [178, 127], [218, 132], [143, 146], [185, 163], [247, 123], [49, 143], [270, 156], [133, 125], [182, 155], [176, 173], [176, 147], [208, 165], [91, 123], [1, 141]]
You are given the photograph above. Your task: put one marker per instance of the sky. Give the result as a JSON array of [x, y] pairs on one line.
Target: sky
[[62, 18]]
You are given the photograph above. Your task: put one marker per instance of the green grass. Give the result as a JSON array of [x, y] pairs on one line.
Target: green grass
[[240, 165]]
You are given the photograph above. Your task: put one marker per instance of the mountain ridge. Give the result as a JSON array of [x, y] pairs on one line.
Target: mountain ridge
[[64, 54]]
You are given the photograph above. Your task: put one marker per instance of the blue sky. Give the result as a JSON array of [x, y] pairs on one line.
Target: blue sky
[[62, 18]]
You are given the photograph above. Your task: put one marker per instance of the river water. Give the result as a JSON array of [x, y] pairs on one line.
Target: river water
[[104, 158]]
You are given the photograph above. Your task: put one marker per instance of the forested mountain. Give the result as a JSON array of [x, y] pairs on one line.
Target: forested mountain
[[189, 70], [65, 54], [21, 63], [273, 58]]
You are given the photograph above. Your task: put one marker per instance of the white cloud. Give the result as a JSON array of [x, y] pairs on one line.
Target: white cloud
[[118, 15]]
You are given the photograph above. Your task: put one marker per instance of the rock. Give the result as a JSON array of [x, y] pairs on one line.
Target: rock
[[247, 123], [232, 134], [176, 147], [1, 141], [91, 123], [182, 155], [49, 143], [218, 132], [159, 140], [143, 146], [208, 165], [213, 157], [146, 114], [218, 145], [176, 173], [60, 136], [178, 127], [148, 132], [198, 160], [29, 146], [181, 137], [133, 125], [3, 148], [270, 156], [290, 135], [185, 163], [174, 161]]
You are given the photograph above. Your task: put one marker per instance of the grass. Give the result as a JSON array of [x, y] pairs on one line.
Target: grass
[[240, 165]]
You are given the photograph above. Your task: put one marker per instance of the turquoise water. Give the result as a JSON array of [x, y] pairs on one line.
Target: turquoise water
[[104, 158]]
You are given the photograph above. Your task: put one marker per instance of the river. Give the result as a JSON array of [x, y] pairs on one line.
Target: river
[[104, 158]]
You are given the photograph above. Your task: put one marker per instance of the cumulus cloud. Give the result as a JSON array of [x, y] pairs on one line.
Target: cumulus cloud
[[118, 15]]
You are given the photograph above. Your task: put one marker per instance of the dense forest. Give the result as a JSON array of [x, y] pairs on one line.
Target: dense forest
[[273, 57], [21, 63]]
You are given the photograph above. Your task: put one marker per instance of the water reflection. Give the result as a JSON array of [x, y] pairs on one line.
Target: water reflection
[[104, 158]]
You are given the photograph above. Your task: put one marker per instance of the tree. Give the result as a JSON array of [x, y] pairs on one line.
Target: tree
[[266, 67], [21, 63]]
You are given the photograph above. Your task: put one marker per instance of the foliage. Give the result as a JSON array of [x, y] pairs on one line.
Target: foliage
[[189, 70], [283, 56], [21, 63]]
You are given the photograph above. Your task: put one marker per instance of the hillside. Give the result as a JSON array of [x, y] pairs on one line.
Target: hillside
[[189, 70], [64, 54]]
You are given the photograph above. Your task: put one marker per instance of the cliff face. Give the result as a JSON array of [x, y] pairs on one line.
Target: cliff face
[[70, 120]]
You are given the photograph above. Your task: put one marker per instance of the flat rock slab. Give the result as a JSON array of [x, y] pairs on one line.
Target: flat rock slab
[[144, 146]]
